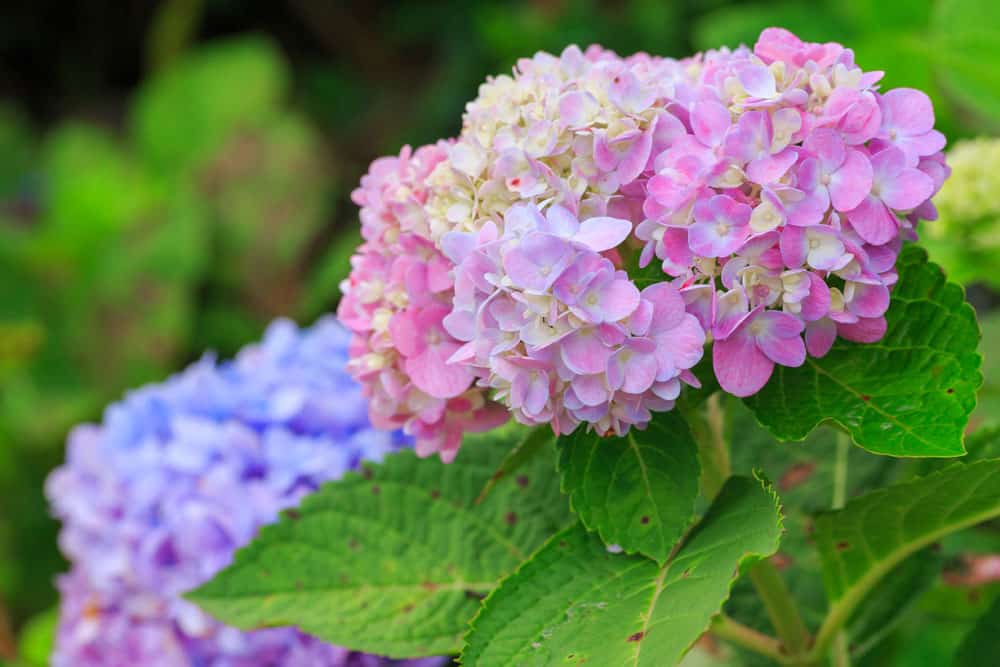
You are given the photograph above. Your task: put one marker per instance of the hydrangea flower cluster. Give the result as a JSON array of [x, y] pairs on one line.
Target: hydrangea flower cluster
[[179, 475], [773, 187], [561, 333], [783, 205], [395, 300]]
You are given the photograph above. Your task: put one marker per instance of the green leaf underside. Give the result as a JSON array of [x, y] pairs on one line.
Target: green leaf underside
[[909, 394], [862, 543], [575, 603], [637, 491], [394, 560]]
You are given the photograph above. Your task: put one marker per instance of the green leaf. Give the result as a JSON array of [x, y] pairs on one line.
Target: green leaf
[[394, 560], [982, 641], [637, 491], [862, 543], [185, 113], [964, 35], [575, 602], [909, 394], [531, 443]]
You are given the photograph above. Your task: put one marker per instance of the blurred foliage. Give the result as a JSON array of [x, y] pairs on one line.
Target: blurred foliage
[[168, 188], [965, 240]]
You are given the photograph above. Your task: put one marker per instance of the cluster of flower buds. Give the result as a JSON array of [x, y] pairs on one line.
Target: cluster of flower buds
[[773, 186], [157, 499]]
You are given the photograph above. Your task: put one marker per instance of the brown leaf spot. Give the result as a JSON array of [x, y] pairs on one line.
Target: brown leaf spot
[[685, 574], [865, 397], [473, 595], [644, 520], [376, 489], [353, 544], [429, 586], [563, 544], [435, 494], [522, 481], [796, 475], [293, 514], [408, 608], [366, 472], [510, 518], [843, 546], [951, 390], [498, 475], [781, 561], [637, 637]]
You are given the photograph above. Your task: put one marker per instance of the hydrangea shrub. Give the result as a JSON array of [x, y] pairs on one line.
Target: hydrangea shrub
[[158, 497], [615, 253]]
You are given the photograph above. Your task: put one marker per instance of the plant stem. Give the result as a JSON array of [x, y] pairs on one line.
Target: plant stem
[[780, 607], [726, 628], [840, 470], [841, 654], [714, 447], [840, 651]]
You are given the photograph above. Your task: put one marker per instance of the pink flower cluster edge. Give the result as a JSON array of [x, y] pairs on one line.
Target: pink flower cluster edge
[[774, 187]]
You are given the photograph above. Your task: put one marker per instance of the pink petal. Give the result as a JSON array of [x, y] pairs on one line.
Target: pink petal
[[794, 246], [591, 389], [817, 304], [619, 299], [769, 169], [864, 330], [907, 110], [907, 190], [603, 233], [668, 305], [873, 221], [828, 146], [740, 367], [584, 353], [784, 351], [709, 121], [869, 300], [852, 182], [403, 331], [820, 336], [433, 375], [758, 81], [634, 161]]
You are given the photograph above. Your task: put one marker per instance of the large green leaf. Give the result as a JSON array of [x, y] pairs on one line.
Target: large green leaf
[[983, 642], [394, 560], [965, 33], [637, 491], [910, 394], [576, 602], [873, 534], [183, 114]]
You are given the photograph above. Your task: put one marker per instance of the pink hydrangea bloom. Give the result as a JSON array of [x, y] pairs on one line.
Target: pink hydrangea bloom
[[558, 331], [397, 295], [773, 186], [783, 201]]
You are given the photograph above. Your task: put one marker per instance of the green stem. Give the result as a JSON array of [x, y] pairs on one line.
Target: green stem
[[841, 656], [780, 607], [714, 447], [840, 470], [726, 628]]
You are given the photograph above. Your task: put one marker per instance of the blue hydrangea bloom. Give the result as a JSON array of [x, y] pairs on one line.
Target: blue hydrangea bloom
[[158, 497]]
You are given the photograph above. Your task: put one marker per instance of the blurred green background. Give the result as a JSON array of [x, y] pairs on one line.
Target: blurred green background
[[175, 174]]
